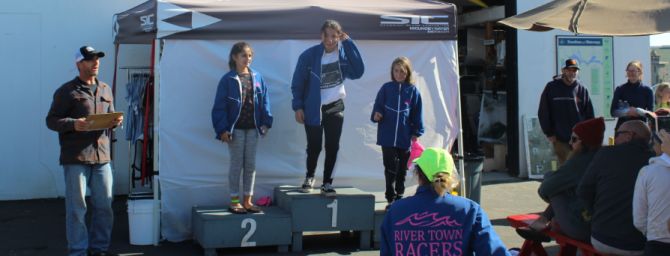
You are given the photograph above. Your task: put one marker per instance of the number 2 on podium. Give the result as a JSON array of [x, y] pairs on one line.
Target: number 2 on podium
[[252, 230], [333, 219]]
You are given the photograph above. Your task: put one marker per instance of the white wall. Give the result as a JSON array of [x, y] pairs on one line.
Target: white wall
[[38, 40], [537, 64]]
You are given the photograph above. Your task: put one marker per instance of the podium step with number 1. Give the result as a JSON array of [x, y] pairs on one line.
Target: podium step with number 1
[[350, 210]]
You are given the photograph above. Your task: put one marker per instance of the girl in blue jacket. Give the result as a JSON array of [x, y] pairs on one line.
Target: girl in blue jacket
[[318, 98], [433, 222], [241, 114], [397, 112]]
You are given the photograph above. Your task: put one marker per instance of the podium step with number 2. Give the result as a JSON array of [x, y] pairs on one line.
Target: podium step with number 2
[[216, 227]]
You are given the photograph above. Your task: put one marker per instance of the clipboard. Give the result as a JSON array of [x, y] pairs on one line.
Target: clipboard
[[102, 121]]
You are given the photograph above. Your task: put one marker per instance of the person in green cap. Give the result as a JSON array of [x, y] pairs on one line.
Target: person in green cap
[[434, 222]]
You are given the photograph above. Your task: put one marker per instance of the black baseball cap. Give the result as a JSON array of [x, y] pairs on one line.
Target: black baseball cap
[[571, 63], [87, 53]]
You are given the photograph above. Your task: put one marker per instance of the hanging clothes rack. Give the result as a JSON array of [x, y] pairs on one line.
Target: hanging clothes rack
[[137, 92]]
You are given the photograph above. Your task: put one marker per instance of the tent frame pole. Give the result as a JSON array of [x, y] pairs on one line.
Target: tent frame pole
[[155, 182], [461, 155]]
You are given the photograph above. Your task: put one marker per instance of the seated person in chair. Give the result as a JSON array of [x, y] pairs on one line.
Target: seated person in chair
[[607, 189], [566, 211], [434, 222]]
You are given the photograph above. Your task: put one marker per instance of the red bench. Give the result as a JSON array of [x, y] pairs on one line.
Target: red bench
[[568, 246]]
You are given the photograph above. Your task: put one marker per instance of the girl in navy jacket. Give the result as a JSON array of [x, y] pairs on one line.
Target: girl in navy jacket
[[433, 222], [318, 98], [397, 111], [241, 114]]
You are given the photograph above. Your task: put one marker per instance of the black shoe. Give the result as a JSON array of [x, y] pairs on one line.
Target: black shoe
[[307, 185], [533, 235], [327, 190], [101, 254]]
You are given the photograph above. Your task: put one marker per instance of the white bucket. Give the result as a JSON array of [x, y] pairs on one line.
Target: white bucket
[[140, 221]]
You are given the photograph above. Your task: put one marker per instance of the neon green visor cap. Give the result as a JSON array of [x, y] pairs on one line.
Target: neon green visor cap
[[433, 161]]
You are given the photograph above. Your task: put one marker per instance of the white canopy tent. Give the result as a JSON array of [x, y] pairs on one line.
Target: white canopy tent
[[196, 37]]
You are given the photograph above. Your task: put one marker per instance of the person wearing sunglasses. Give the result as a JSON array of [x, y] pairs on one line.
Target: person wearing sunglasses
[[566, 212], [607, 190]]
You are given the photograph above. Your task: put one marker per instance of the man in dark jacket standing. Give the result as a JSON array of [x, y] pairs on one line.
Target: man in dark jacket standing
[[564, 103], [607, 190], [85, 155]]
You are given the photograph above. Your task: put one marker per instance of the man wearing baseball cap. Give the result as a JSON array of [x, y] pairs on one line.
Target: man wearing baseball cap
[[87, 53], [564, 103], [85, 154]]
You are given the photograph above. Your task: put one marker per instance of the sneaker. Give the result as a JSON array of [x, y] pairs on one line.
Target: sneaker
[[307, 185], [327, 189]]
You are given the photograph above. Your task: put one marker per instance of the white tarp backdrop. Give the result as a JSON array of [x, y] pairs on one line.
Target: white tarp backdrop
[[194, 165]]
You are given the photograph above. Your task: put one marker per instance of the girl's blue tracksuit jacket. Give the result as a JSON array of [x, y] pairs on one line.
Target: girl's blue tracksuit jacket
[[306, 83], [228, 103], [428, 224], [400, 106]]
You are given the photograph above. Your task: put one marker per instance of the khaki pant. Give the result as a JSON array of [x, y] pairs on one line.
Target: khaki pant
[[562, 151]]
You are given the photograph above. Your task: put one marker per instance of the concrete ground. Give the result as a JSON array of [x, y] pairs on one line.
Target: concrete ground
[[36, 227]]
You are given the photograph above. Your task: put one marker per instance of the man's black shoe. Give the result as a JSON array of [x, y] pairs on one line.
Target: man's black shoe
[[101, 254], [530, 234]]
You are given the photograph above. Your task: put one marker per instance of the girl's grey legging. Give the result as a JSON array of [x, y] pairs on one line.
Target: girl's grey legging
[[242, 161]]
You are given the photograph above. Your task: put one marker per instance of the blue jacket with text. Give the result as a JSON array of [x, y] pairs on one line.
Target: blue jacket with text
[[427, 224]]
